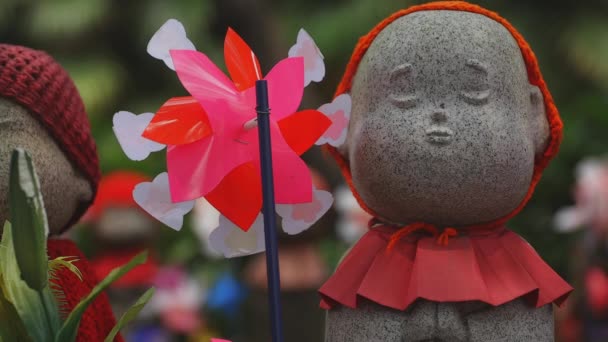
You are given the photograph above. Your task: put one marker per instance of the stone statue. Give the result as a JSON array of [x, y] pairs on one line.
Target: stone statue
[[451, 127], [42, 112]]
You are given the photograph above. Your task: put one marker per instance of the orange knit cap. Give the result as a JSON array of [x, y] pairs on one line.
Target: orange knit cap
[[534, 76]]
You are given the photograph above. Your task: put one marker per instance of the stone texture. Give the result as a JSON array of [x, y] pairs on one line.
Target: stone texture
[[444, 129], [449, 322], [64, 188], [445, 125]]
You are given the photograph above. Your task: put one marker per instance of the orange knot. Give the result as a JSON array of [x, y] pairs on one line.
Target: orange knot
[[442, 238]]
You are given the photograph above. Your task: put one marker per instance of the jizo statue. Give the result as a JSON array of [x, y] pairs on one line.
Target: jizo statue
[[41, 111], [450, 130]]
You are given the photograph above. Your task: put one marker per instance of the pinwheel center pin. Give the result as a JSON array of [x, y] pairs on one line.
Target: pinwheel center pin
[[251, 124]]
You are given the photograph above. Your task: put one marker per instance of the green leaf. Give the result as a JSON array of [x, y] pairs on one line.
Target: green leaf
[[64, 261], [41, 323], [28, 218], [130, 314], [69, 329], [11, 325]]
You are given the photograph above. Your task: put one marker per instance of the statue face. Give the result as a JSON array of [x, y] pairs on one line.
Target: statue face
[[445, 125], [63, 187]]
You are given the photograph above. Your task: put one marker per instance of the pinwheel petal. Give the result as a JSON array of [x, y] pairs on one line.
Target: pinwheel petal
[[170, 36], [338, 111], [154, 197], [285, 87], [128, 129], [299, 217], [180, 120], [302, 129], [242, 64], [232, 242], [570, 219], [226, 107], [314, 67], [196, 169], [204, 220], [292, 179], [239, 195]]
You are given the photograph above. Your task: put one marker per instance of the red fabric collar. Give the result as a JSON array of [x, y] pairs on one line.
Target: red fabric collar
[[492, 266]]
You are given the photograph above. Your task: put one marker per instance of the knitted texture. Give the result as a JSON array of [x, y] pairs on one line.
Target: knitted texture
[[98, 320], [534, 76], [37, 82]]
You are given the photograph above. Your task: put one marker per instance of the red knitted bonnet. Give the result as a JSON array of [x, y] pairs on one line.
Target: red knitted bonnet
[[37, 82], [534, 76]]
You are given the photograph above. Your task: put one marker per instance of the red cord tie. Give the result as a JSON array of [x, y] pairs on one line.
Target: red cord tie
[[441, 238]]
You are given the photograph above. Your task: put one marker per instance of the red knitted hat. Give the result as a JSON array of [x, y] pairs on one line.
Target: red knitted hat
[[36, 81]]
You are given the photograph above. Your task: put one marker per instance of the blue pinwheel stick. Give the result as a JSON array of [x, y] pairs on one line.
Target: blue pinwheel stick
[[268, 210]]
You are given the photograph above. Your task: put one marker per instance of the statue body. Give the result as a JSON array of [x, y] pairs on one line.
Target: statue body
[[445, 130]]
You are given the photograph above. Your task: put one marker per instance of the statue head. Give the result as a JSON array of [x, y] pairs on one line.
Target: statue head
[[42, 112], [451, 122]]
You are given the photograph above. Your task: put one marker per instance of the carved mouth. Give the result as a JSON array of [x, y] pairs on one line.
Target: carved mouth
[[439, 135]]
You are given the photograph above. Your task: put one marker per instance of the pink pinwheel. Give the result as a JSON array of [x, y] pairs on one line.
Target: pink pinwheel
[[212, 137]]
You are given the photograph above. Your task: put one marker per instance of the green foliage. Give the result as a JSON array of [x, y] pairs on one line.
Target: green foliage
[[29, 304], [24, 311], [64, 261], [11, 325], [586, 45], [28, 217], [131, 314], [66, 18], [70, 327], [31, 308]]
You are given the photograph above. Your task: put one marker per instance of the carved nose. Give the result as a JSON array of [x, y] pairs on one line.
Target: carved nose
[[439, 116]]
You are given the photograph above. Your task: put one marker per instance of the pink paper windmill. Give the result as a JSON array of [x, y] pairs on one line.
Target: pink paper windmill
[[212, 138]]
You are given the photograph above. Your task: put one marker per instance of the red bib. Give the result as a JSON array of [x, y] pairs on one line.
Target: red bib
[[494, 267]]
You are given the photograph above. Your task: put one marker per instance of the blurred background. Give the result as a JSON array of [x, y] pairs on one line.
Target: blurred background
[[102, 43]]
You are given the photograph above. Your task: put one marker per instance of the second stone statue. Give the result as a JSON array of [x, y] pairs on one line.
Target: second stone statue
[[451, 127]]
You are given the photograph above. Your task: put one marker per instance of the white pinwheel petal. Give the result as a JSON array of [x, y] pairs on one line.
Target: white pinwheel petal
[[570, 219], [205, 218], [155, 198], [338, 111], [314, 66], [353, 220], [128, 129], [299, 217], [231, 241], [170, 36]]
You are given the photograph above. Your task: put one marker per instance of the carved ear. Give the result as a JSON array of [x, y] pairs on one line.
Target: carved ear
[[84, 189], [539, 126]]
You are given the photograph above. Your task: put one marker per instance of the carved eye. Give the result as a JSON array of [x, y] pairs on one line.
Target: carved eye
[[401, 87], [475, 80]]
